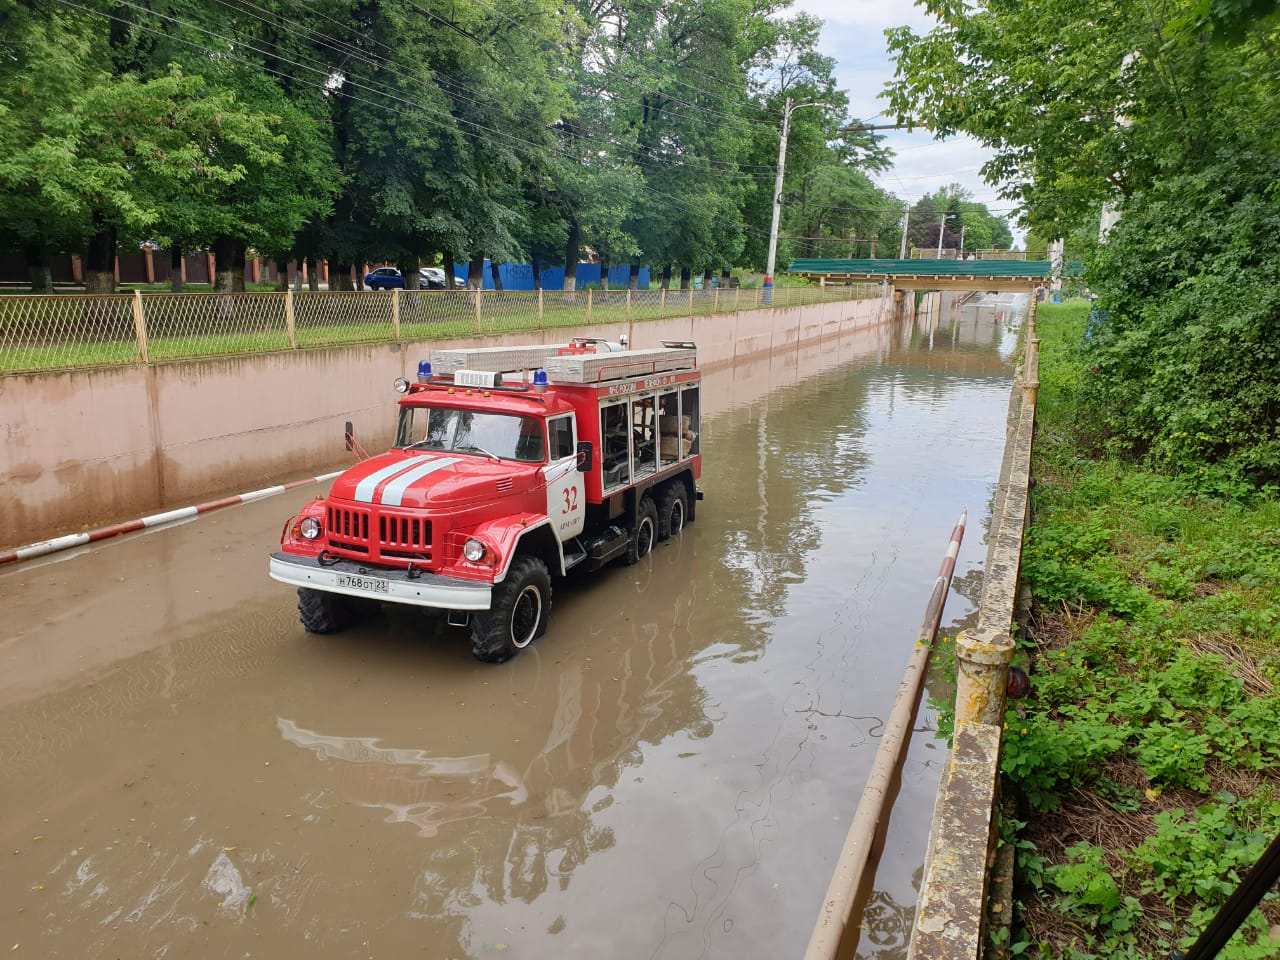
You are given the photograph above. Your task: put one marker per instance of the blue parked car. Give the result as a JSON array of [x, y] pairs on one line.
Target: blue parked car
[[384, 278]]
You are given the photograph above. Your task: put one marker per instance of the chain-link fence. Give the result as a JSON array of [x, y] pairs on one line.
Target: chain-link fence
[[65, 331]]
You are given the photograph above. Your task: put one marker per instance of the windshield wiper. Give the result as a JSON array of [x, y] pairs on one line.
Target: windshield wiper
[[479, 449]]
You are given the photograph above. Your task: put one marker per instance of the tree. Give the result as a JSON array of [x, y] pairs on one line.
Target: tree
[[1165, 114], [826, 192]]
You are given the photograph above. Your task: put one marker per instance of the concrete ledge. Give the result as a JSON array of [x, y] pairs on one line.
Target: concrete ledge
[[952, 902]]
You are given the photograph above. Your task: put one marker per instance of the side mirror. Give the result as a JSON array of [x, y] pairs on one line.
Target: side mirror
[[584, 456]]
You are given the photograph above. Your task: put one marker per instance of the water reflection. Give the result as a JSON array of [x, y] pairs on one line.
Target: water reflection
[[411, 785]]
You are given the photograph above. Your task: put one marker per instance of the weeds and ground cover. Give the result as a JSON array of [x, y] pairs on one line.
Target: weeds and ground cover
[[1147, 759]]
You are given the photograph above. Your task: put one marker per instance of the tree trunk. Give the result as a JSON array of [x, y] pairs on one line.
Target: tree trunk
[[282, 276], [497, 278], [175, 267], [724, 278], [536, 262], [313, 274], [228, 265], [450, 276], [571, 248], [359, 276], [685, 278], [340, 277], [100, 260], [666, 276], [38, 269], [633, 277], [706, 279], [475, 271], [604, 275]]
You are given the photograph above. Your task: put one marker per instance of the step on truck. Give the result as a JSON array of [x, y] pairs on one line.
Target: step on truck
[[510, 466]]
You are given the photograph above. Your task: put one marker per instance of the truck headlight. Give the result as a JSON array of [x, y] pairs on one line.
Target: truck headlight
[[473, 550], [309, 527]]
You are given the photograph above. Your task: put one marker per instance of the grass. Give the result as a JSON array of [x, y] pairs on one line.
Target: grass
[[1147, 761]]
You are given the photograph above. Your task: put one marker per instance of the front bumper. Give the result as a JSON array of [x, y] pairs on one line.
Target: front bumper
[[422, 590]]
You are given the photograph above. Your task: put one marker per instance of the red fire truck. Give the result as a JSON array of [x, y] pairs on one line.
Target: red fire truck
[[510, 466]]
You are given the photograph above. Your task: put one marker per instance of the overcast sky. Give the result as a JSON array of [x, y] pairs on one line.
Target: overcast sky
[[854, 36]]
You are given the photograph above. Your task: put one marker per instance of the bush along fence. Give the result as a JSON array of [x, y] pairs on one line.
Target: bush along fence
[[39, 333]]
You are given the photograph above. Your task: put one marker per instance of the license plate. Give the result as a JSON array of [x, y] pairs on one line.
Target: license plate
[[371, 584]]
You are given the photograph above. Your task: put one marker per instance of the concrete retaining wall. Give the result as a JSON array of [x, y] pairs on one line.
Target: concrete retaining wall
[[101, 445]]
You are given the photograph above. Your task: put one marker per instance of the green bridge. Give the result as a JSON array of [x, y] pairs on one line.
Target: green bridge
[[1018, 276]]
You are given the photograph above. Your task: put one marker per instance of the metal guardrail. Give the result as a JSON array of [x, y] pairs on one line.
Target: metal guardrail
[[63, 331]]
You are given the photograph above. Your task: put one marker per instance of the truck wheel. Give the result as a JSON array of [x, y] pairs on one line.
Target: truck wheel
[[673, 509], [645, 533], [517, 614], [324, 612]]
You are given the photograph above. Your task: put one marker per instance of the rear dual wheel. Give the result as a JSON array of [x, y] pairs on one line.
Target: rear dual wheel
[[673, 510], [645, 533]]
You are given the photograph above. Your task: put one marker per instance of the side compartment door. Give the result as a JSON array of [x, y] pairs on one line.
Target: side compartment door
[[566, 487]]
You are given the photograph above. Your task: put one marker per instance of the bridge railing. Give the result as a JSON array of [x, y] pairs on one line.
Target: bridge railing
[[52, 332]]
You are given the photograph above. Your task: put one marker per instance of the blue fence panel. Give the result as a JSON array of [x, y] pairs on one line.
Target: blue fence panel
[[519, 276]]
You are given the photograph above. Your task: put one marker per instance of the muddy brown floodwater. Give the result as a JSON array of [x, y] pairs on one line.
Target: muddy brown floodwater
[[669, 773]]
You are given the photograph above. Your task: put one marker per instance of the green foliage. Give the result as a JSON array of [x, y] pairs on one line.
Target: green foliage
[[1186, 368], [380, 131], [1143, 570], [1133, 108]]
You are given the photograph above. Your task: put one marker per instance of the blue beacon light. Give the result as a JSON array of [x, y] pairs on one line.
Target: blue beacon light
[[540, 381], [424, 371]]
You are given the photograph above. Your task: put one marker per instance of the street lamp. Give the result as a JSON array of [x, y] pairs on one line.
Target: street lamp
[[777, 192]]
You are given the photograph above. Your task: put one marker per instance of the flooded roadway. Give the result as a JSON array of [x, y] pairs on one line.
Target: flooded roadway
[[669, 773]]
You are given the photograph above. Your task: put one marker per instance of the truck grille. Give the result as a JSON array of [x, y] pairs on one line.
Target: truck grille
[[407, 538], [378, 537]]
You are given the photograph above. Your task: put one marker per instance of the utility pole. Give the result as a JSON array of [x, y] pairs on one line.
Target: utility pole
[[777, 194], [906, 222], [960, 252], [942, 226]]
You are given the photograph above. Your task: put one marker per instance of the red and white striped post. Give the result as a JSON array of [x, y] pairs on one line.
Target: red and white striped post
[[156, 519]]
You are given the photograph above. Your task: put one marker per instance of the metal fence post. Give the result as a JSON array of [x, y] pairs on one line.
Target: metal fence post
[[140, 325], [395, 314], [588, 305], [662, 303], [479, 320], [717, 303], [289, 321], [539, 308], [628, 306], [736, 294]]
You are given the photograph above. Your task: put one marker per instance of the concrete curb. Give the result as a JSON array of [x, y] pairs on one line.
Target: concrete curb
[[155, 520]]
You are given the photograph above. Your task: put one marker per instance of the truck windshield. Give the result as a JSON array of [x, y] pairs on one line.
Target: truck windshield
[[497, 435]]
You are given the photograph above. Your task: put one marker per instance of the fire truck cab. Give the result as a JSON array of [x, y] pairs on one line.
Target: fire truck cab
[[510, 466]]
